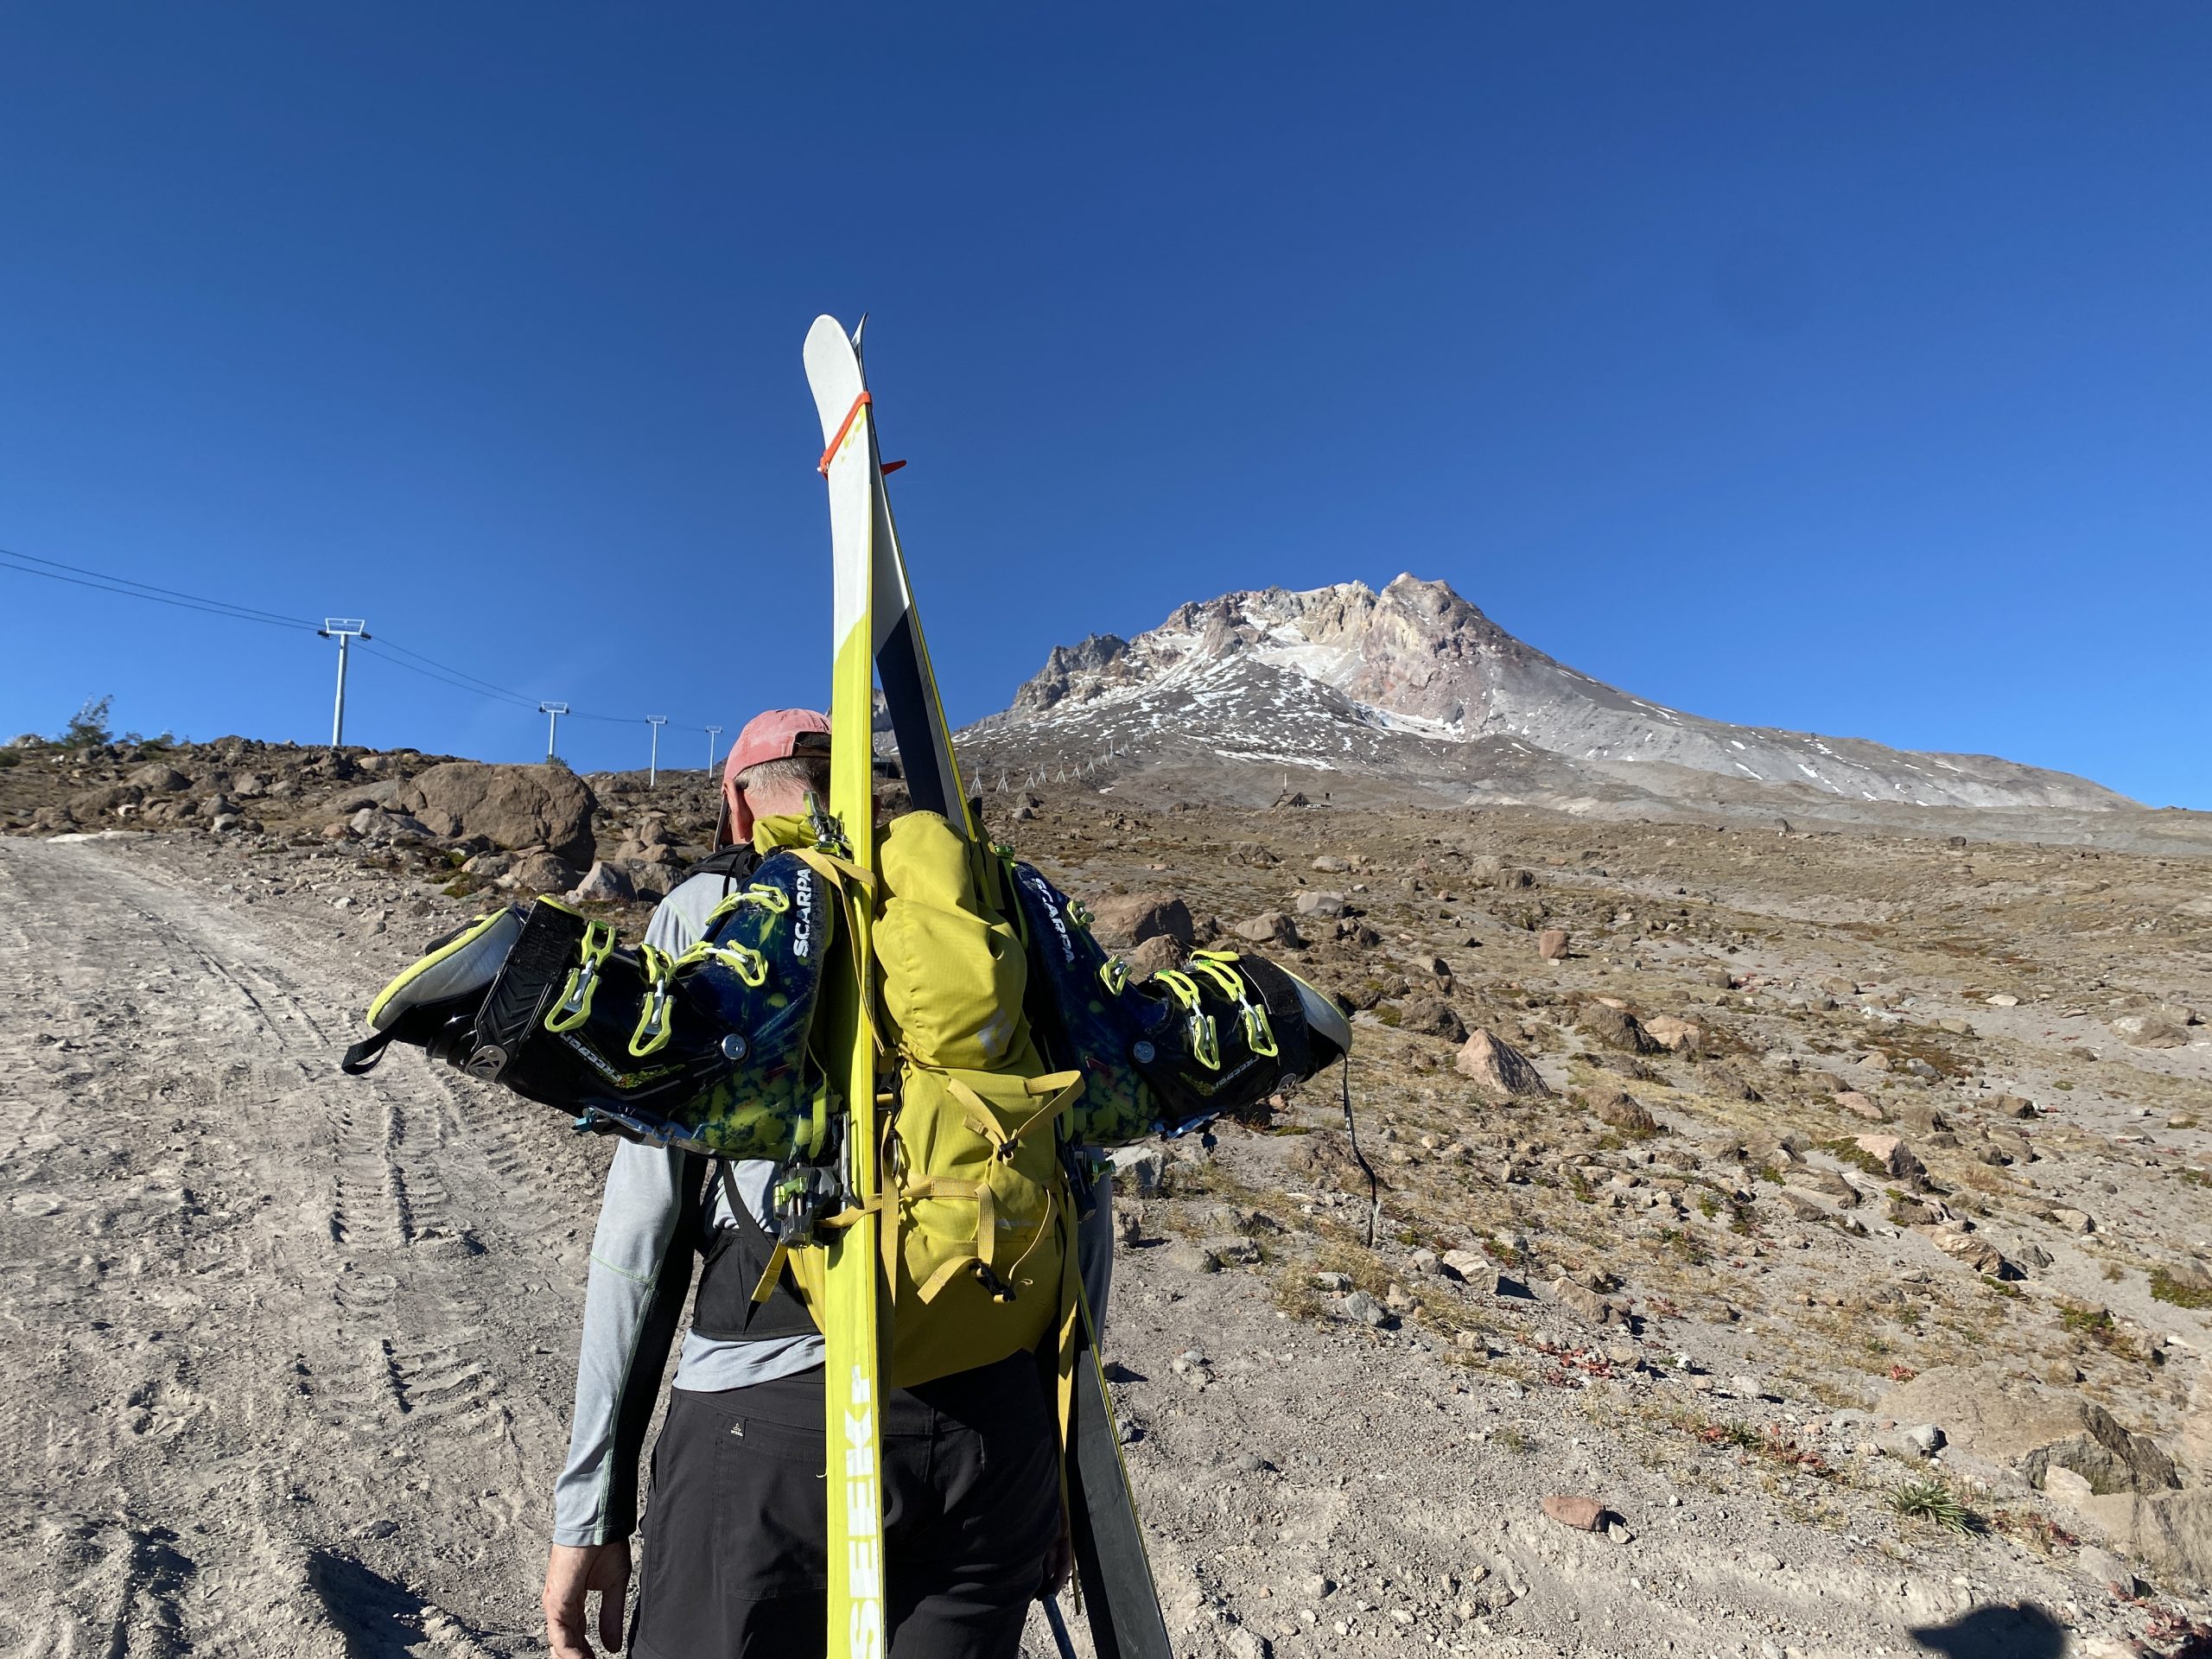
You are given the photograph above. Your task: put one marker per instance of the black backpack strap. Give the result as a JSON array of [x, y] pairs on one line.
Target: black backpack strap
[[732, 864], [724, 1310]]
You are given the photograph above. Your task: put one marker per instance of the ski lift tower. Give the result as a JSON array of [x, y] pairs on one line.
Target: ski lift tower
[[552, 711], [345, 630]]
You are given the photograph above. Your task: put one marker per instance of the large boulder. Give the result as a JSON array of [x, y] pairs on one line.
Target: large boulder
[[379, 828], [1155, 953], [97, 802], [1500, 1070], [513, 806], [2033, 1428], [1622, 1110], [1617, 1028], [1123, 919], [2121, 1483], [157, 778], [2150, 1030], [1432, 1018]]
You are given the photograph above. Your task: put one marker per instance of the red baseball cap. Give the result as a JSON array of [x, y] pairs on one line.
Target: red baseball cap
[[776, 735]]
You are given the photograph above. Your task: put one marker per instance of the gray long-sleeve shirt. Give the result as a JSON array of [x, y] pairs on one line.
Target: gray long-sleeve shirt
[[642, 1257]]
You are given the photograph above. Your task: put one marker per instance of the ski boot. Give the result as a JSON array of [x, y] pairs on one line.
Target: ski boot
[[706, 1050]]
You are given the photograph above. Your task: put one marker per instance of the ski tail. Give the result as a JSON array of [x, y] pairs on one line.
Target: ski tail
[[1120, 1601]]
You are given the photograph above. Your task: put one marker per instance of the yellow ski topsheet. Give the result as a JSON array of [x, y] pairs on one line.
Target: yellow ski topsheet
[[852, 1371]]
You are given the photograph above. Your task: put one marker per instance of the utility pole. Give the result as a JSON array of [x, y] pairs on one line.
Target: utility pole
[[345, 630], [713, 732], [652, 765], [552, 711]]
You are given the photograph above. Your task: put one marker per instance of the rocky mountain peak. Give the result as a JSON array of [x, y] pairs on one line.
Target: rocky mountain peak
[[1414, 687]]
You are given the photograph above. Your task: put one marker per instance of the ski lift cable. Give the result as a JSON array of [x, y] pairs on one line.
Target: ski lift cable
[[77, 575], [29, 564]]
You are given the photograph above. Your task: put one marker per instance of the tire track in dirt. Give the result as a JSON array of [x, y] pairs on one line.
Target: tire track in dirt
[[258, 1372]]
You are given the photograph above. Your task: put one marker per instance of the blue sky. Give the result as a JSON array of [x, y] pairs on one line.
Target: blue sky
[[1840, 368]]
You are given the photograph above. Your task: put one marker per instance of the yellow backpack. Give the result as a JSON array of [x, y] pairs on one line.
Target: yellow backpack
[[978, 1228]]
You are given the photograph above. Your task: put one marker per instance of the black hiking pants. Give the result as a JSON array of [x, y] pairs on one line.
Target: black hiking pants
[[735, 1560]]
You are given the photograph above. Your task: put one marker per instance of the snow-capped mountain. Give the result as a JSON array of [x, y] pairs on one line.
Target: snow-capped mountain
[[1415, 688]]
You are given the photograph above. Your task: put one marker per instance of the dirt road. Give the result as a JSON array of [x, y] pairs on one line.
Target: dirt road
[[283, 1351]]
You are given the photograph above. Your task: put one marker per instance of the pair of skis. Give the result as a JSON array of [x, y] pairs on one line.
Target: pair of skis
[[878, 639]]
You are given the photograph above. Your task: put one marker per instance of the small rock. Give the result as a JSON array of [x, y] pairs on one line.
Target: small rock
[[1469, 1265], [2107, 1572], [1896, 1158], [1143, 1168], [1268, 927], [1336, 1283], [1130, 919], [1432, 1018], [1365, 1308], [1619, 1532], [1191, 1258], [1232, 1250], [1673, 1034], [1617, 1028], [1583, 1514], [605, 884], [2002, 1000], [1316, 901], [1551, 944], [1859, 1105], [540, 873], [1147, 959], [1975, 1252], [1597, 1309]]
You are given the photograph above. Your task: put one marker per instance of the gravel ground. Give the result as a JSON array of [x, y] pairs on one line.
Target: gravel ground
[[288, 1356]]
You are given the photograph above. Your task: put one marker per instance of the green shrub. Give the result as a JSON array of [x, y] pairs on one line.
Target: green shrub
[[2165, 1288], [1924, 1497]]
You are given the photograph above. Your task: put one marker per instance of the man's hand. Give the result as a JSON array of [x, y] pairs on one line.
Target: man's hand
[[1059, 1566], [573, 1571]]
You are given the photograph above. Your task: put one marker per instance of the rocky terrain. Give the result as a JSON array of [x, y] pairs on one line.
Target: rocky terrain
[[1784, 1243], [1412, 695]]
